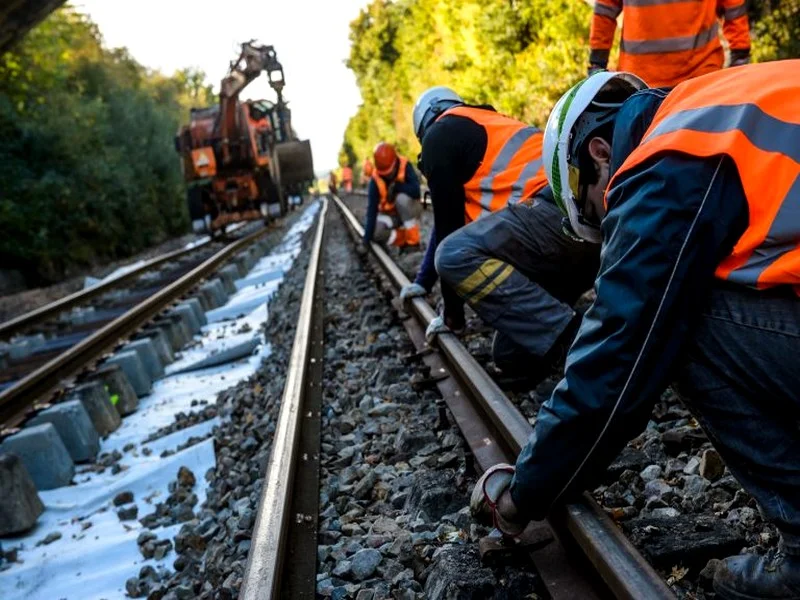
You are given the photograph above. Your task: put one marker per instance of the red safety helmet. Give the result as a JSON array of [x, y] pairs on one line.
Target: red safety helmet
[[385, 158]]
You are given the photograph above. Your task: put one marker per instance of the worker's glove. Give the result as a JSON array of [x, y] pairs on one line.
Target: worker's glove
[[442, 324], [483, 503], [361, 249], [412, 290], [435, 327]]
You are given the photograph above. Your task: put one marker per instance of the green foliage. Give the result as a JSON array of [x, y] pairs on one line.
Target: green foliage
[[89, 170], [775, 26], [518, 55], [347, 155]]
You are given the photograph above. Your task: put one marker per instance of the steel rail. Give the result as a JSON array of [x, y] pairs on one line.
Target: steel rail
[[48, 311], [626, 573], [18, 399], [265, 561]]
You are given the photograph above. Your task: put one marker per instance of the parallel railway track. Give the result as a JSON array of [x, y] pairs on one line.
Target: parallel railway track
[[37, 386]]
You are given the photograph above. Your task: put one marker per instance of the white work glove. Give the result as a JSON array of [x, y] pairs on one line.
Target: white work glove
[[483, 503], [412, 290], [436, 327]]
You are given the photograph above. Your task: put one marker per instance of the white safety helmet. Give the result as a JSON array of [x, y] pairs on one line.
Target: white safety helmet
[[575, 116], [430, 104]]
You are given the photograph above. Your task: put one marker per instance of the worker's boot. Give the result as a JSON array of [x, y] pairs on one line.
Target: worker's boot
[[397, 237], [412, 235], [774, 576], [522, 369]]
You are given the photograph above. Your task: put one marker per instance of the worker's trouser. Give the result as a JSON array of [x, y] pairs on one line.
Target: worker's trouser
[[741, 378], [400, 228], [521, 274]]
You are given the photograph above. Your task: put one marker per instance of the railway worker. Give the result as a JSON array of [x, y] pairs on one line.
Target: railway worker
[[393, 200], [485, 171], [664, 42], [698, 193], [366, 171], [347, 179], [332, 183]]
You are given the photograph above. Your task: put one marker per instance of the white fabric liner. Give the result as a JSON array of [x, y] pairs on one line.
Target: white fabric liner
[[90, 281], [95, 563]]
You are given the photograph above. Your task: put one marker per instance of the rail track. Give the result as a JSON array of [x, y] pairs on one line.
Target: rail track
[[32, 382], [579, 553]]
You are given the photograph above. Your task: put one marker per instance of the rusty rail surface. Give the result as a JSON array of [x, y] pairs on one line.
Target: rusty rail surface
[[623, 570], [265, 574], [17, 400]]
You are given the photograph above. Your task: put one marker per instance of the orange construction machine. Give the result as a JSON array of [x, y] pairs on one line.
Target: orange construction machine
[[241, 159]]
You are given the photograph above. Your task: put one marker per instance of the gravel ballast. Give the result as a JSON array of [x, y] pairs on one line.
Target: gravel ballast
[[669, 489]]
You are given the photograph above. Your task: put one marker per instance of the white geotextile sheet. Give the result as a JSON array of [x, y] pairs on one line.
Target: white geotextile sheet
[[95, 563]]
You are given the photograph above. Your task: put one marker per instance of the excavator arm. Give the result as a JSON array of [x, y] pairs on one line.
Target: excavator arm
[[253, 60]]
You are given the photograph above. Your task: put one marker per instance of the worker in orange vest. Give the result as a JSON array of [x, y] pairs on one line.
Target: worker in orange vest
[[393, 200], [347, 179], [665, 42], [366, 171], [485, 171], [695, 193], [332, 183]]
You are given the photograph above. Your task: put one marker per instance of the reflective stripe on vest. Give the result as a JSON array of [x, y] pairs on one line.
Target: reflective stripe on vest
[[751, 114], [666, 42], [511, 169], [386, 204]]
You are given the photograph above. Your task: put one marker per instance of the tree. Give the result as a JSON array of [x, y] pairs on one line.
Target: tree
[[89, 171], [519, 56]]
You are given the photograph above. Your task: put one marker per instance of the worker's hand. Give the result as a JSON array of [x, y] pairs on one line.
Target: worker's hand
[[436, 327], [487, 494], [412, 290], [361, 249]]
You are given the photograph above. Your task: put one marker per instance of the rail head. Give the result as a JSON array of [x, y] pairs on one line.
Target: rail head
[[626, 573], [267, 550]]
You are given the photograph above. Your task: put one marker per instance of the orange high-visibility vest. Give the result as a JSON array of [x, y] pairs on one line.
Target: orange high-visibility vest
[[511, 169], [347, 174], [367, 169], [752, 114], [386, 204], [666, 42]]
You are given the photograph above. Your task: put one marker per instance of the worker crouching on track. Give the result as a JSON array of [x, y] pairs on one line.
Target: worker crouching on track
[[509, 263], [366, 172], [698, 192], [393, 206], [666, 42], [347, 179]]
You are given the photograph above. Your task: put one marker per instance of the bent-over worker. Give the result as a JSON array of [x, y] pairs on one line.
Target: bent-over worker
[[695, 194], [484, 170]]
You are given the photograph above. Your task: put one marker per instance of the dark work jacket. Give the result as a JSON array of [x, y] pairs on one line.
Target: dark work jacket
[[452, 150], [409, 187], [669, 223]]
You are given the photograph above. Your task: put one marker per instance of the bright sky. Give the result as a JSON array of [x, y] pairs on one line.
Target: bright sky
[[310, 38]]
